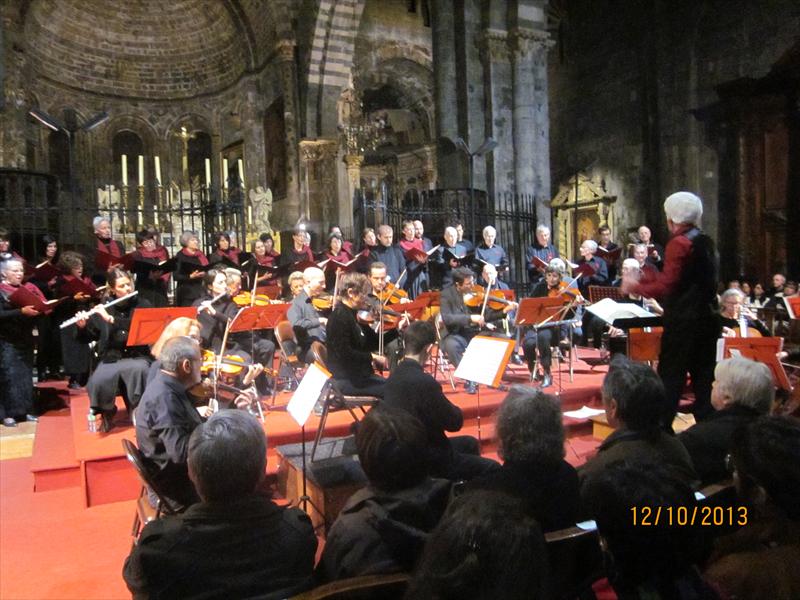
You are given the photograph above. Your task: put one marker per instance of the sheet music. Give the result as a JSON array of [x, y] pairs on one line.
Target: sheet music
[[484, 360], [307, 393], [584, 413], [609, 311]]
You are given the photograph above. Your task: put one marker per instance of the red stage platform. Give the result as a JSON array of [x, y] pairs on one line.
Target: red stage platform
[[67, 455]]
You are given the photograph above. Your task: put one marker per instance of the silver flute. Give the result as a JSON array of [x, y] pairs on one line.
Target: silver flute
[[91, 311]]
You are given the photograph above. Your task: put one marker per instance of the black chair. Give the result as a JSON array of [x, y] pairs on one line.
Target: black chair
[[576, 562], [145, 511], [335, 399], [386, 587]]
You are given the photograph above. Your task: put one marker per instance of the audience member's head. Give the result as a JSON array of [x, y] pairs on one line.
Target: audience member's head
[[418, 337], [227, 456], [633, 397], [529, 427], [391, 449], [655, 554], [764, 457], [485, 547], [742, 381]]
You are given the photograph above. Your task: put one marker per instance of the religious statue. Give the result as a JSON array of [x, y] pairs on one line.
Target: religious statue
[[108, 197], [261, 202]]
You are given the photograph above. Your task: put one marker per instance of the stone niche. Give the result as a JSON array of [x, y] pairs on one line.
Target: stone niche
[[578, 221]]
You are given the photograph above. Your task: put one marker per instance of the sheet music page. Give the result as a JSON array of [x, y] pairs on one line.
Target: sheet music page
[[307, 393], [485, 359], [609, 311], [584, 412]]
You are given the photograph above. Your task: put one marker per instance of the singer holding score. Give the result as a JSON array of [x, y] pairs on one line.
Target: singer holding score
[[122, 368]]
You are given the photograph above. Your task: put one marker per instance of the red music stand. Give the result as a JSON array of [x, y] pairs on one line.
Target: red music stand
[[598, 292], [761, 349], [414, 308], [532, 311], [644, 345], [433, 298], [252, 318], [148, 324]]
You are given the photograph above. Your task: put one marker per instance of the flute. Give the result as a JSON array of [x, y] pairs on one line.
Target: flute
[[91, 311]]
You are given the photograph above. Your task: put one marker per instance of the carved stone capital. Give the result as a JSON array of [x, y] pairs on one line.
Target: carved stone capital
[[353, 161], [314, 150], [285, 50], [493, 45], [523, 43]]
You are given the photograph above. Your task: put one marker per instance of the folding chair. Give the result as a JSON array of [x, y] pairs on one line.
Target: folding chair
[[145, 512], [335, 399], [439, 362], [284, 332]]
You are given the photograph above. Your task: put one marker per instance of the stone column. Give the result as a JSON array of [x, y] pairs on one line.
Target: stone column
[[499, 110], [287, 215], [530, 117], [353, 163], [15, 99], [451, 164]]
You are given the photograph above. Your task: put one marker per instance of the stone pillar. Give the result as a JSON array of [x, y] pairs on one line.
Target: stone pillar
[[499, 110], [287, 215], [451, 162], [319, 186], [15, 99], [531, 131]]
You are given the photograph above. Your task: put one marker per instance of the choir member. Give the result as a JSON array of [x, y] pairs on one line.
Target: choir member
[[75, 354], [150, 282], [104, 244], [191, 264]]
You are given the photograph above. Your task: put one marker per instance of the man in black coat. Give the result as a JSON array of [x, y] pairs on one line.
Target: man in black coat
[[411, 389], [742, 391], [390, 255], [236, 542]]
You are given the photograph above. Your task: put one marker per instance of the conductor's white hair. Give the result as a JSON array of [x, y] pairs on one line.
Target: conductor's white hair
[[683, 207]]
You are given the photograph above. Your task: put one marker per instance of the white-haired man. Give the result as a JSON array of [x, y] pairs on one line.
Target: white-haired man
[[543, 249], [686, 289], [307, 323], [490, 253], [655, 251]]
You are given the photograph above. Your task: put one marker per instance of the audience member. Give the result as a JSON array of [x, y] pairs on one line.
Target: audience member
[[484, 548], [742, 391], [762, 559], [382, 528], [236, 542], [648, 557], [530, 436], [411, 389], [635, 402]]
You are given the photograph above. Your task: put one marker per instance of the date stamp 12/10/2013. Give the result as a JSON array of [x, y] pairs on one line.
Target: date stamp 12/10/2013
[[683, 516]]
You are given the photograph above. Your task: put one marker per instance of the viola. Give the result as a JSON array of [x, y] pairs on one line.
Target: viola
[[323, 303], [391, 294], [246, 298], [475, 298], [229, 364], [564, 289]]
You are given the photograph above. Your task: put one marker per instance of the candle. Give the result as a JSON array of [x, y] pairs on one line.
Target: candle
[[241, 171], [225, 173], [158, 171], [141, 170], [250, 214], [208, 172], [125, 170]]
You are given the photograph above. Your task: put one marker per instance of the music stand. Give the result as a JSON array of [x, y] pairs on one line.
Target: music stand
[[147, 324], [544, 312], [761, 349], [598, 292], [250, 318]]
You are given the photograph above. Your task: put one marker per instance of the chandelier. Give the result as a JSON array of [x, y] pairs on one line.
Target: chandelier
[[359, 134]]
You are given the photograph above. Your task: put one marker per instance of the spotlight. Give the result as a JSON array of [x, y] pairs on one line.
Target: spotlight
[[45, 119]]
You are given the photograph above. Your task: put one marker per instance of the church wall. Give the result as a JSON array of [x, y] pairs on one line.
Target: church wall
[[624, 78]]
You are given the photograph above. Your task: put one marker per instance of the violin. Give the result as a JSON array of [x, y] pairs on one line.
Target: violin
[[229, 364], [323, 303], [391, 318], [391, 294], [204, 390], [564, 289], [475, 298], [246, 298]]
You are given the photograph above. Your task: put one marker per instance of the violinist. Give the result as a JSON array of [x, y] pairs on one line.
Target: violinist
[[16, 347], [104, 243], [308, 324], [733, 311], [75, 354], [190, 269], [351, 347], [214, 309], [253, 343], [542, 339], [459, 321], [150, 282], [120, 364], [392, 347]]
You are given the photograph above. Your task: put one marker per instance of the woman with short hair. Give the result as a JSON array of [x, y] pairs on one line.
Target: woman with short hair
[[190, 267]]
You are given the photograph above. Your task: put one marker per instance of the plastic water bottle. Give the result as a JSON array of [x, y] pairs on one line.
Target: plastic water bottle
[[94, 426]]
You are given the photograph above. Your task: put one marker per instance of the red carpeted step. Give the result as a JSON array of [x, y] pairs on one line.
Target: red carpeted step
[[53, 463]]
